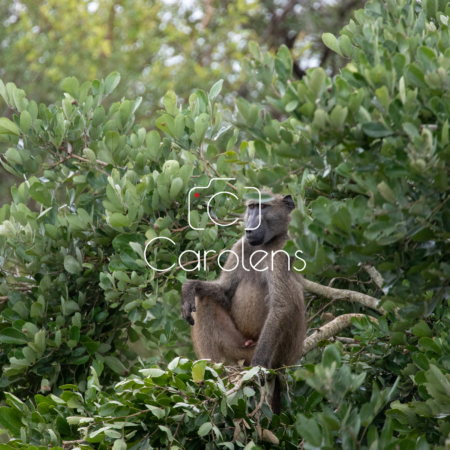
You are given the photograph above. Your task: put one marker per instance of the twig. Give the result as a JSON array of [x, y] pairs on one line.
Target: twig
[[61, 161], [176, 431], [346, 340], [331, 329], [320, 310], [69, 444], [234, 389], [88, 161], [208, 15], [261, 401]]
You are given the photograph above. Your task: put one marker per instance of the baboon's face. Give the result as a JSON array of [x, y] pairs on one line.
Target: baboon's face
[[275, 218]]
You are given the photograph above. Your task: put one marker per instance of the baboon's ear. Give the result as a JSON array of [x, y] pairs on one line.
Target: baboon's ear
[[287, 200]]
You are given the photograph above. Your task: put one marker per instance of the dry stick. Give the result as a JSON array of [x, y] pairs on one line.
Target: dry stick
[[331, 329], [346, 340], [259, 405], [176, 431], [236, 387], [345, 294], [320, 310], [67, 444]]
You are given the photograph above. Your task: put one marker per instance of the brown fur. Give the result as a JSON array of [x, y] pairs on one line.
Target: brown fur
[[264, 307]]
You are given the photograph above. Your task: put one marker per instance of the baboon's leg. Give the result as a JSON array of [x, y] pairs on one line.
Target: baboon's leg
[[216, 337]]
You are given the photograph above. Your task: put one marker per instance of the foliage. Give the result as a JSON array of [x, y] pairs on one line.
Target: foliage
[[366, 156], [156, 46], [189, 405], [76, 285], [368, 152]]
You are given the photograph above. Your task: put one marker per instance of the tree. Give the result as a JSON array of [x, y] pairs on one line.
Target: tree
[[366, 156], [156, 46]]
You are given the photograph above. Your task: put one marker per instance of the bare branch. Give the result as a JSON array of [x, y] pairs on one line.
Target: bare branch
[[331, 329], [375, 275], [344, 294], [208, 14]]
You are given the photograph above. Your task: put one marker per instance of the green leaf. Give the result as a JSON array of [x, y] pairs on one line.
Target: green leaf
[[201, 126], [41, 194], [119, 220], [98, 117], [72, 265], [153, 141], [179, 125], [114, 364], [376, 130], [421, 330], [158, 412], [430, 345], [398, 338], [120, 444], [39, 341], [170, 103], [125, 112], [166, 124], [71, 86], [342, 219], [309, 430], [331, 42], [331, 355], [12, 336], [112, 140], [251, 373], [215, 90], [387, 193], [175, 188], [291, 106], [198, 371], [11, 420], [205, 429], [25, 121], [416, 76], [8, 127], [254, 49], [154, 373], [111, 82], [338, 116], [345, 45]]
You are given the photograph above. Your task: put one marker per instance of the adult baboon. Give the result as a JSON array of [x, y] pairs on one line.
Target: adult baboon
[[255, 310]]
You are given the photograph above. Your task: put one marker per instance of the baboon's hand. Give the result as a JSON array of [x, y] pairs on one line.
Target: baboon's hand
[[188, 302], [186, 311]]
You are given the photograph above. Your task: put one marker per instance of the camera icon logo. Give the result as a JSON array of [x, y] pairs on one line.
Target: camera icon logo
[[193, 193]]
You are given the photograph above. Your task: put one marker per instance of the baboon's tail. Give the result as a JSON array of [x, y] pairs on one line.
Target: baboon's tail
[[276, 396]]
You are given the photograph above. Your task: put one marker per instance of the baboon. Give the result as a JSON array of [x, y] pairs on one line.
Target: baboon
[[255, 310]]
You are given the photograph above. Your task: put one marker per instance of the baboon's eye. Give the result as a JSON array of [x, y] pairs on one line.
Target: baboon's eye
[[251, 206], [263, 206]]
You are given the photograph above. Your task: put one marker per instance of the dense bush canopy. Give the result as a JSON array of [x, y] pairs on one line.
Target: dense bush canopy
[[366, 156]]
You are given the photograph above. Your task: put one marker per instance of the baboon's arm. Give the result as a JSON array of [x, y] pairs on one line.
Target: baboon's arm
[[222, 290], [267, 342], [283, 287]]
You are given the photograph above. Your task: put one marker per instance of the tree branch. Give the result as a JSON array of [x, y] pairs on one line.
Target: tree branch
[[344, 294], [331, 329], [375, 275], [208, 14]]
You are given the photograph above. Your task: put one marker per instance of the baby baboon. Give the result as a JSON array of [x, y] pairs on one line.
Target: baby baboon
[[255, 310]]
